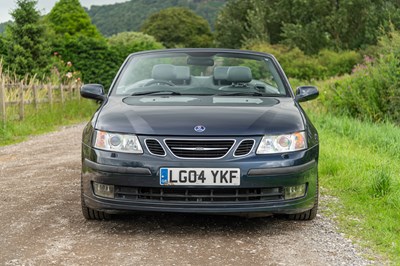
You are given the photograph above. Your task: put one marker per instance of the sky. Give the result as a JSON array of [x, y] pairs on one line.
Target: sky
[[44, 6]]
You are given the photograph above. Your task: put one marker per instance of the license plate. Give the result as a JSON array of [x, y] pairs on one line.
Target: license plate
[[200, 176]]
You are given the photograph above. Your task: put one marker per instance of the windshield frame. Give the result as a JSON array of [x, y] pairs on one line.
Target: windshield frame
[[201, 52]]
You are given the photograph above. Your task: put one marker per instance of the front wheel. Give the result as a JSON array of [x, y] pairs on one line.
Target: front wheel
[[305, 216], [91, 214], [310, 214]]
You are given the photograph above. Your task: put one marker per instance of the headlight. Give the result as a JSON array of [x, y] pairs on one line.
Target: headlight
[[282, 143], [117, 142]]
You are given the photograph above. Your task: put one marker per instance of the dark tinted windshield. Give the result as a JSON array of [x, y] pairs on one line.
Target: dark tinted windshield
[[179, 73]]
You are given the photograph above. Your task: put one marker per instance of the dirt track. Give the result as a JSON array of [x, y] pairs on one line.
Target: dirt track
[[41, 223]]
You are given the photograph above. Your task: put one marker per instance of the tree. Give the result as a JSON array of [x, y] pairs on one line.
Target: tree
[[178, 27], [78, 41], [240, 22], [303, 24], [308, 25], [125, 43], [3, 49], [358, 23], [69, 18], [27, 50]]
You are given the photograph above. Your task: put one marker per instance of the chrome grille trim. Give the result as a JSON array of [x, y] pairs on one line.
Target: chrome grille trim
[[228, 149]]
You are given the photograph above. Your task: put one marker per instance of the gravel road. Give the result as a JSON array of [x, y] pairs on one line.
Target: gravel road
[[41, 223]]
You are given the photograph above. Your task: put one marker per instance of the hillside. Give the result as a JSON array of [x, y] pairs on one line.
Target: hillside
[[129, 16], [3, 26]]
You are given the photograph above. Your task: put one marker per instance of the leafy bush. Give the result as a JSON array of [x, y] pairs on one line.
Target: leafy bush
[[125, 43], [337, 64], [301, 66], [97, 62], [372, 92]]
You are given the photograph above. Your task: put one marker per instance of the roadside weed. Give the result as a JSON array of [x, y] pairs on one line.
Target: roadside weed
[[381, 183]]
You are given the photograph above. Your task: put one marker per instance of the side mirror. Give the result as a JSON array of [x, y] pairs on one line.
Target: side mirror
[[306, 93], [93, 91]]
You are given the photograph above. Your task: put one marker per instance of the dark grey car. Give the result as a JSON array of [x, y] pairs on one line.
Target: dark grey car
[[201, 131]]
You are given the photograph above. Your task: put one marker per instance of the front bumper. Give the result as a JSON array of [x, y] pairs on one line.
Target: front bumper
[[142, 171]]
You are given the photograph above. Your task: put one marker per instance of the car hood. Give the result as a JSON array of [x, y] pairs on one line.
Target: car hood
[[219, 116]]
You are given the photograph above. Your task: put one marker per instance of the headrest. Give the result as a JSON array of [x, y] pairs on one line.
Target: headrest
[[182, 73], [239, 74], [163, 72], [221, 73]]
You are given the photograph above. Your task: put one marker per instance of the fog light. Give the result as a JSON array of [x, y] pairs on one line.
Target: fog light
[[102, 190], [295, 191]]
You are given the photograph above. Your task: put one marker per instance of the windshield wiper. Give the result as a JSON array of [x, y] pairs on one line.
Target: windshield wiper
[[254, 93], [155, 92]]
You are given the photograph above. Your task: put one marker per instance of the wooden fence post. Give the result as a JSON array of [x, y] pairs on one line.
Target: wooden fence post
[[21, 98], [35, 96], [50, 94], [3, 102], [71, 92], [78, 90], [62, 93]]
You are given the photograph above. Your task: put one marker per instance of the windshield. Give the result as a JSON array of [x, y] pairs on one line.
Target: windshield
[[199, 73]]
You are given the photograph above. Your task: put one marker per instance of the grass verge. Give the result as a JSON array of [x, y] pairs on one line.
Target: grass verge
[[45, 119], [360, 165]]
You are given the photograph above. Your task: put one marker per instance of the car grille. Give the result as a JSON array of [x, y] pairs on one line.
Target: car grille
[[199, 195], [244, 147], [155, 147], [199, 148]]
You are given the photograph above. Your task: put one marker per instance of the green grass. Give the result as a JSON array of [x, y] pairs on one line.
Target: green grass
[[45, 119], [360, 165]]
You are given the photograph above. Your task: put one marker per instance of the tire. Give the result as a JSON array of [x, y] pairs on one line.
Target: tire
[[307, 215], [91, 214]]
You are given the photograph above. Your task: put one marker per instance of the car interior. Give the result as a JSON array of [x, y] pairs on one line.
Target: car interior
[[224, 78]]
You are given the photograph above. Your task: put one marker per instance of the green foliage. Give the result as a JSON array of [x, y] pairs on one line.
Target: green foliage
[[178, 27], [93, 57], [3, 48], [61, 72], [310, 38], [3, 27], [241, 21], [304, 24], [304, 67], [372, 91], [338, 63], [129, 16], [69, 18], [125, 43], [308, 25], [381, 183], [78, 41], [27, 51]]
